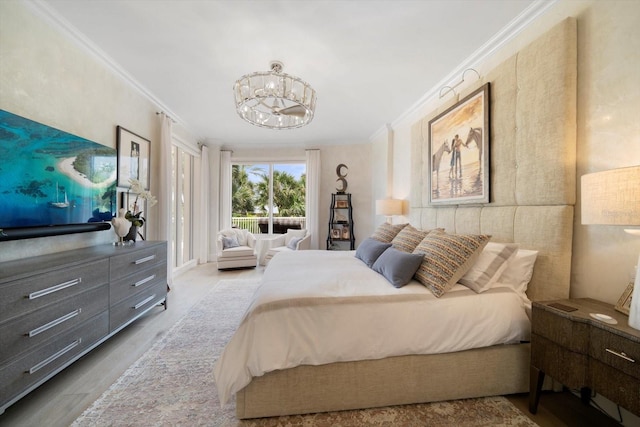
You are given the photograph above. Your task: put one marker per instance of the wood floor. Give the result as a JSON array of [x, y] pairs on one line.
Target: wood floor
[[62, 399]]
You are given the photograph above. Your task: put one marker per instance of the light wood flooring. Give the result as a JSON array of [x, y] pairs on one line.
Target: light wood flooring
[[62, 399]]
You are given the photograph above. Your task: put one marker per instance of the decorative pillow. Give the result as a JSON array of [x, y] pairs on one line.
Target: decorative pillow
[[386, 232], [519, 270], [230, 242], [447, 257], [291, 233], [370, 249], [397, 267], [293, 243], [489, 266], [408, 238]]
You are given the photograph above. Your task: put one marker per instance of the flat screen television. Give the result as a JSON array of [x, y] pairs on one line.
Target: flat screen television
[[52, 182]]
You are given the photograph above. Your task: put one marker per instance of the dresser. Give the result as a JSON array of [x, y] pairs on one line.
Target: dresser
[[585, 353], [55, 308]]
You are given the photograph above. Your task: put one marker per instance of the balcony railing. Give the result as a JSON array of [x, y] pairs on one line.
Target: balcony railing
[[259, 225]]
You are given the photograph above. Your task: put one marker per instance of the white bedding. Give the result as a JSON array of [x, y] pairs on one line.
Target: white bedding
[[318, 307]]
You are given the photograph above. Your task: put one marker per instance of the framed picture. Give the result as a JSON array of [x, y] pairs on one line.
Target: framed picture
[[129, 202], [133, 158], [624, 303], [335, 233], [342, 204], [459, 152], [345, 232]]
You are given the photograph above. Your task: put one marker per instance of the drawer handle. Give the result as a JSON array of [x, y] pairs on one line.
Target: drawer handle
[[143, 302], [56, 288], [55, 356], [621, 354], [53, 323], [143, 281], [145, 259]]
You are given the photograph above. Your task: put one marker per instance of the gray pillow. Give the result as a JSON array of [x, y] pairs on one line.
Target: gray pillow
[[230, 242], [397, 267], [370, 249], [293, 243]]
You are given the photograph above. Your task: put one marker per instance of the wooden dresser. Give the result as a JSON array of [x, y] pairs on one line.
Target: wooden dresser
[[55, 308], [584, 353]]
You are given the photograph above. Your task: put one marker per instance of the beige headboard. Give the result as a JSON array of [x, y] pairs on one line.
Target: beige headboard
[[532, 157]]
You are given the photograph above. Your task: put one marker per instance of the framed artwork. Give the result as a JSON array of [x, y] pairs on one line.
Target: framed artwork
[[459, 152], [342, 204], [335, 233], [129, 202], [133, 158], [624, 303], [345, 233]]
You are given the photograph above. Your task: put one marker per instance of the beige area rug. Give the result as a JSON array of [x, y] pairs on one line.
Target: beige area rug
[[172, 384]]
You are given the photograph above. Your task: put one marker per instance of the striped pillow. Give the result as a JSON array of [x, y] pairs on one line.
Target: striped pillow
[[447, 257], [408, 238], [386, 232]]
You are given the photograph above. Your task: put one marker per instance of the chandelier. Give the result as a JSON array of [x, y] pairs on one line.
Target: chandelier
[[274, 100]]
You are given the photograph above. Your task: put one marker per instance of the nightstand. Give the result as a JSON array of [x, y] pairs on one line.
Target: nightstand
[[584, 353]]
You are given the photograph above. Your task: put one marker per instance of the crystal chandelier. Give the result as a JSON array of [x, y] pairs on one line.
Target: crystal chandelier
[[274, 100]]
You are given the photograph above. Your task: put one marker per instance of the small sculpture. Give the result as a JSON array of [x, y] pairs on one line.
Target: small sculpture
[[121, 225]]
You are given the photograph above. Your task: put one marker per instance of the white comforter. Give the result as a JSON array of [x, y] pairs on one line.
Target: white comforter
[[318, 307]]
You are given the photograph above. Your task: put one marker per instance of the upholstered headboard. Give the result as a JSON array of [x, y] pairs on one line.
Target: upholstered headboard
[[532, 158]]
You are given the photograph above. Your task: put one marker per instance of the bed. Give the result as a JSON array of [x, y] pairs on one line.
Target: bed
[[533, 188]]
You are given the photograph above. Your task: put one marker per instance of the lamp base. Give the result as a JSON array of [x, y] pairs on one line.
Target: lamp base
[[634, 309]]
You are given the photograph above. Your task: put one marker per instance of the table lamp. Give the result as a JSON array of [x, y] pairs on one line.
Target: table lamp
[[613, 198], [388, 208]]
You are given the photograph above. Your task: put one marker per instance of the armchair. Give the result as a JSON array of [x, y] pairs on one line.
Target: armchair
[[235, 249], [292, 240]]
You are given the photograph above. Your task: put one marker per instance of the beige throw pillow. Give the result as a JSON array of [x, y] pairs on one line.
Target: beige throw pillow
[[386, 232], [408, 238]]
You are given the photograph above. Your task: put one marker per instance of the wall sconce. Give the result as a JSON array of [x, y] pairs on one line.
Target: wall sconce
[[613, 198], [388, 208]]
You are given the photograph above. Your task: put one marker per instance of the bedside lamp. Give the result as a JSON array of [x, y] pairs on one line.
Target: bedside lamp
[[613, 198], [388, 208]]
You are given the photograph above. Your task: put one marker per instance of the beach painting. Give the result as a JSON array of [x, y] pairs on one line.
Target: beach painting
[[51, 177]]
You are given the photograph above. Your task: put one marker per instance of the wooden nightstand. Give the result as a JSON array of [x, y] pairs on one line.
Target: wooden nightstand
[[585, 353]]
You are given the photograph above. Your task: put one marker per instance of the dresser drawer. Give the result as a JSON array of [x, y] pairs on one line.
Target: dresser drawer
[[615, 351], [48, 359], [616, 386], [133, 306], [131, 285], [24, 333], [568, 367], [30, 294], [131, 262], [561, 330]]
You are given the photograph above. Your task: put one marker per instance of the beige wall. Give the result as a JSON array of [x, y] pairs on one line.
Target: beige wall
[[48, 78], [608, 128]]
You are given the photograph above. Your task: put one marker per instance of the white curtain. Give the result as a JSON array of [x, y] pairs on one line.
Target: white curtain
[[204, 205], [225, 190], [165, 192], [312, 207]]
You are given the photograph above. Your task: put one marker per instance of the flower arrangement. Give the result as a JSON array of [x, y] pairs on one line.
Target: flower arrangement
[[135, 215]]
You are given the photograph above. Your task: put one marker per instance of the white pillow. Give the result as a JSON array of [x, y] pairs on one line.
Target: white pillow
[[519, 270], [291, 233], [489, 266]]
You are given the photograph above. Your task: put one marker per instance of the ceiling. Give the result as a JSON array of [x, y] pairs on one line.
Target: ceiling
[[368, 60]]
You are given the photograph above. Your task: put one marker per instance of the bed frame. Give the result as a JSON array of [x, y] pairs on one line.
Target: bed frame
[[533, 185]]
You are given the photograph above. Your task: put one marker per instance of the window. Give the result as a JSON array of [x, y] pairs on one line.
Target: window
[[268, 197]]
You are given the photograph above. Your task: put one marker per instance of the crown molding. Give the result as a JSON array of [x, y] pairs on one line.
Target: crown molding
[[485, 51], [47, 13]]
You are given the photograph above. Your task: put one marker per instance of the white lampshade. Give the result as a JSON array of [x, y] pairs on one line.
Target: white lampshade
[[389, 207], [611, 197]]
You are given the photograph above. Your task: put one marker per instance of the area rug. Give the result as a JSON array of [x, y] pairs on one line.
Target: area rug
[[172, 384]]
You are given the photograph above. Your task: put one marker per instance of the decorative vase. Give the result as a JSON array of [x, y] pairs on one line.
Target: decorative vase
[[121, 226], [132, 234]]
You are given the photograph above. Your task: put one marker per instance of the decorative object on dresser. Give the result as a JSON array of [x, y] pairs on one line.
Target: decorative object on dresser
[[613, 198], [55, 308], [341, 222], [585, 353], [53, 182], [389, 208], [461, 129]]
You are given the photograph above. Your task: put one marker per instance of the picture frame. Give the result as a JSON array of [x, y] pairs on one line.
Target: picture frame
[[624, 303], [336, 233], [342, 204], [345, 233], [134, 154], [128, 202], [458, 149]]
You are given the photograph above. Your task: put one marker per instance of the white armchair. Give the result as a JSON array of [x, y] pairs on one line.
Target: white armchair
[[292, 240], [236, 248]]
